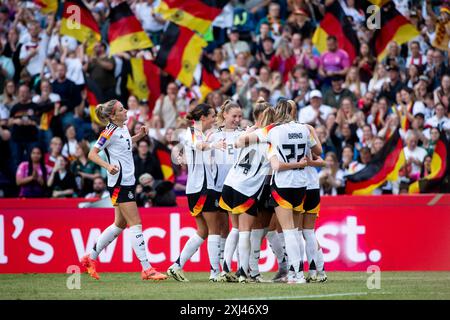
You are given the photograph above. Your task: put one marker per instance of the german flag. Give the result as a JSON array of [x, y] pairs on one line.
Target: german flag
[[393, 27], [385, 166], [125, 31], [439, 169], [196, 15], [165, 160], [47, 6], [85, 29], [336, 23], [144, 82], [180, 53], [93, 102], [208, 80]]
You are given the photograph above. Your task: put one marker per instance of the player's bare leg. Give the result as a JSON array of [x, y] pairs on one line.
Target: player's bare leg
[[108, 235], [130, 212], [189, 249]]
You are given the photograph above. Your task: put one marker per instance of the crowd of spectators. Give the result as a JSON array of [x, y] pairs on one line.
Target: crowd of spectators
[[259, 48]]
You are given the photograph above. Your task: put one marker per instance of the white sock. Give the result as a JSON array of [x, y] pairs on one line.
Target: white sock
[[214, 253], [244, 251], [230, 247], [283, 244], [293, 254], [139, 245], [191, 246], [311, 248], [277, 248], [108, 235], [255, 249], [320, 262], [222, 249], [301, 242]]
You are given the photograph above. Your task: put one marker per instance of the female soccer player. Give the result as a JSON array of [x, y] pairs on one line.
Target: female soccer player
[[307, 221], [116, 141], [243, 188], [198, 190], [228, 120], [290, 141]]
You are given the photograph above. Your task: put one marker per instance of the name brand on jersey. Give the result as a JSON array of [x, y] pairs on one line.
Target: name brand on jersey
[[295, 136]]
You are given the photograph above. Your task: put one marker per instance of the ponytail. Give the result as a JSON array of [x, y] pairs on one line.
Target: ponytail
[[200, 110], [285, 111], [260, 105], [268, 117], [104, 111]]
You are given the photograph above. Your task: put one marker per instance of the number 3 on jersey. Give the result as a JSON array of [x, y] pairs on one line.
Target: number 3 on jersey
[[291, 152]]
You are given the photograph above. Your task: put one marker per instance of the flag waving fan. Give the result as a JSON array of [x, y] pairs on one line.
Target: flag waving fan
[[336, 23], [180, 53], [385, 166], [439, 169], [196, 15], [125, 30], [85, 29]]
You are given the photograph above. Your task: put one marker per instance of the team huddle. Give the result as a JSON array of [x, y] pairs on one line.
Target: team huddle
[[262, 179]]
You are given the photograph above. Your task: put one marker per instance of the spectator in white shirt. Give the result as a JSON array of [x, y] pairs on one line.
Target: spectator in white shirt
[[34, 52], [331, 177], [151, 22], [316, 113], [439, 120], [416, 57], [234, 46], [414, 155]]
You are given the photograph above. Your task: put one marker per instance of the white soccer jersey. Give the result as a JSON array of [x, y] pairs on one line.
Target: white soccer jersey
[[250, 170], [117, 144], [195, 160], [312, 176], [223, 160], [290, 142]]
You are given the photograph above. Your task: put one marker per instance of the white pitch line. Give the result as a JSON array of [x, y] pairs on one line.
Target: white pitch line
[[306, 296]]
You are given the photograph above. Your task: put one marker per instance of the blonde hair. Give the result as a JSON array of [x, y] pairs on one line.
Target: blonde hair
[[104, 111], [284, 111], [260, 106], [268, 117], [225, 107]]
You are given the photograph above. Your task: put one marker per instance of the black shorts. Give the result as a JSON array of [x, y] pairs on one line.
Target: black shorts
[[236, 202], [205, 200], [121, 194], [265, 200], [212, 202], [289, 198], [312, 201]]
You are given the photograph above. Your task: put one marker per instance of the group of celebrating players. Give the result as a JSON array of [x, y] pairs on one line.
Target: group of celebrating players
[[263, 179]]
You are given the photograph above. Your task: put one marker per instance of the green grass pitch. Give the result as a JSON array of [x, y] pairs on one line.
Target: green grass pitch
[[340, 285]]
